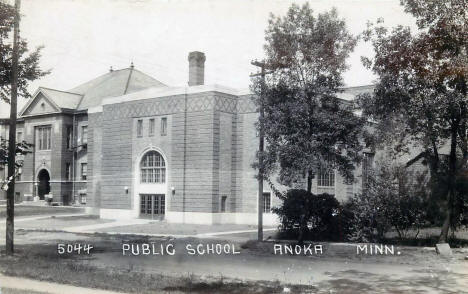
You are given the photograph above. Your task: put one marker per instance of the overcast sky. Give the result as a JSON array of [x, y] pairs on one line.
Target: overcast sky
[[83, 38]]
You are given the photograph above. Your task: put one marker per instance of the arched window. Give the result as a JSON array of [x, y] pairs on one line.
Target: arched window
[[153, 168]]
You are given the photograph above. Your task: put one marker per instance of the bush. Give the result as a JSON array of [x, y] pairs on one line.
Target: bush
[[394, 198], [368, 223], [305, 215]]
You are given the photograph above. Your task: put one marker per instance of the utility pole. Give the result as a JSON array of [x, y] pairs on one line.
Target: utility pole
[[260, 150], [10, 229]]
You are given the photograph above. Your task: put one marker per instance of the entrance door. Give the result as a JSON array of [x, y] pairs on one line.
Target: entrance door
[[152, 206], [44, 184]]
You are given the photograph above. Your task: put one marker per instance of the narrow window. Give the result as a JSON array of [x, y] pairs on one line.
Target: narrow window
[[140, 128], [164, 126], [223, 203], [84, 135], [151, 127], [84, 171], [19, 137], [43, 137], [68, 171], [48, 138], [69, 137], [266, 202]]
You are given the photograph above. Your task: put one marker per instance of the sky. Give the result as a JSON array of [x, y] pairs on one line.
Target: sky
[[83, 38]]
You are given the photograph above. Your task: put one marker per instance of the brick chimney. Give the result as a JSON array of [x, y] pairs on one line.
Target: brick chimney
[[196, 68]]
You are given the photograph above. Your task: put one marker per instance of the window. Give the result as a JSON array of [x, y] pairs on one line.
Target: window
[[266, 202], [84, 171], [164, 126], [223, 203], [326, 178], [151, 127], [19, 136], [43, 137], [153, 168], [69, 137], [140, 128], [84, 135], [67, 171]]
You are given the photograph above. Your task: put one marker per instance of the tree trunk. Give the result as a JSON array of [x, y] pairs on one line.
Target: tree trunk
[[10, 229], [309, 181], [443, 238], [452, 172], [302, 231]]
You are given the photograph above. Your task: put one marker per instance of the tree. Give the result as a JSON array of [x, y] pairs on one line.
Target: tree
[[394, 198], [15, 73], [306, 127], [313, 214], [28, 65], [420, 97]]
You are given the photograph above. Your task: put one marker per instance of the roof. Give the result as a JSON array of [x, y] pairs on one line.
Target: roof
[[111, 84], [64, 100], [4, 109], [350, 93], [91, 93]]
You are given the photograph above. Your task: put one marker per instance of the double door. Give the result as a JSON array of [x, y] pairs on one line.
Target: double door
[[152, 206]]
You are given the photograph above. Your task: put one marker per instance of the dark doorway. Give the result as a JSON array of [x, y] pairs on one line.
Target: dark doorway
[[44, 184], [152, 206]]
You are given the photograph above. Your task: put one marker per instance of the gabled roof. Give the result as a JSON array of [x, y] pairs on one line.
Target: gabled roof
[[350, 93], [91, 93], [113, 83], [64, 100], [59, 100]]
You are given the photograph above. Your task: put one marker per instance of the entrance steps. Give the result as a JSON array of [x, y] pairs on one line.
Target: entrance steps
[[35, 203]]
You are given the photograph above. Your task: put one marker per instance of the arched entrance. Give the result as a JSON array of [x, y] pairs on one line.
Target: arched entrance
[[43, 187], [152, 185]]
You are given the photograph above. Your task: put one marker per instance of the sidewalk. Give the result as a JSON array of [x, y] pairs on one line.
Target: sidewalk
[[45, 287], [82, 223]]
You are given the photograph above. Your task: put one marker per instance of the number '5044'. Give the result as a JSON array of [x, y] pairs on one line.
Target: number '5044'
[[74, 248]]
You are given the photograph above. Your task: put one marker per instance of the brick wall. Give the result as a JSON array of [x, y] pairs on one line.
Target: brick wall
[[94, 160]]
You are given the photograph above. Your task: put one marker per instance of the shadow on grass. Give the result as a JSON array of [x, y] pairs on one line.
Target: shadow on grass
[[427, 281], [41, 262]]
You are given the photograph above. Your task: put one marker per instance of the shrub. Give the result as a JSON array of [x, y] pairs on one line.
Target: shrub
[[307, 215], [394, 198]]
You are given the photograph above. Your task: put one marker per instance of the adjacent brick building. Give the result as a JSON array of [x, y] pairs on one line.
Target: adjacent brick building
[[126, 146]]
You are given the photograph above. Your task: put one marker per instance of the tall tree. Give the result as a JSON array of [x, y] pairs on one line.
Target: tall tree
[[28, 62], [421, 92], [14, 78], [307, 128]]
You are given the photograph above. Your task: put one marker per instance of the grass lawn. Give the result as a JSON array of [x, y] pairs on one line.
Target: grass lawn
[[75, 271], [24, 210]]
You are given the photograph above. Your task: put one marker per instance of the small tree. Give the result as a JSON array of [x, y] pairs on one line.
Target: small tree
[[22, 148], [307, 128], [394, 198], [306, 213]]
